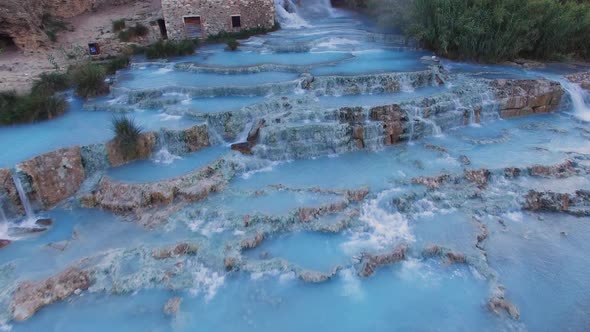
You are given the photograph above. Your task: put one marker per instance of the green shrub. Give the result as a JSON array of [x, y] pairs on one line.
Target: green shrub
[[169, 48], [111, 66], [232, 44], [89, 80], [118, 25], [139, 30], [29, 108], [51, 35], [49, 83], [126, 134], [224, 37], [491, 30]]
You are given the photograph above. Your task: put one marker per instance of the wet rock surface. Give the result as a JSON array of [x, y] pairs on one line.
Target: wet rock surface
[[31, 296], [172, 307], [55, 176], [370, 262], [527, 97]]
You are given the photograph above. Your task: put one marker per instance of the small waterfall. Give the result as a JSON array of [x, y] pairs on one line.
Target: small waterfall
[[3, 219], [415, 115], [29, 214], [288, 15], [580, 99], [165, 143]]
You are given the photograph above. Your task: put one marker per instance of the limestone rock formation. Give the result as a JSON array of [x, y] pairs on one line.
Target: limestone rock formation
[[371, 262], [180, 249], [172, 306], [580, 78], [31, 296], [143, 149], [526, 97], [480, 177], [393, 120], [9, 198], [432, 182], [56, 175], [4, 243]]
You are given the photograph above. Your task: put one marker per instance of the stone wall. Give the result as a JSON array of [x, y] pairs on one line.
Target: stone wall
[[216, 15], [527, 97]]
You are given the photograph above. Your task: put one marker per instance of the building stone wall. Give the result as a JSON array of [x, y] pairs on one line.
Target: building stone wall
[[216, 15]]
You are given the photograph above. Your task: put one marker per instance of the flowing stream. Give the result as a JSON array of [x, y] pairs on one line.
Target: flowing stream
[[299, 232]]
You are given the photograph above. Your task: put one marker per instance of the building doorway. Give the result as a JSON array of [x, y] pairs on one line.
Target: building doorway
[[162, 26], [192, 27]]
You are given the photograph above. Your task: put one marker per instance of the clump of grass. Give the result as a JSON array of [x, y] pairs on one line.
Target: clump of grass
[[119, 25], [28, 108], [89, 80], [111, 66], [232, 44], [224, 37], [139, 30], [127, 133], [169, 48], [52, 26], [50, 83]]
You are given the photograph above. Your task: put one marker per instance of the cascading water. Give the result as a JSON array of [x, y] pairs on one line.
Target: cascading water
[[163, 155], [580, 99], [288, 15], [29, 213]]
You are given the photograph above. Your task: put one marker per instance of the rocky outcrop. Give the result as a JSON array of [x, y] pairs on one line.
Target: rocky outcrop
[[31, 296], [480, 177], [393, 118], [527, 97], [9, 199], [370, 262], [563, 170], [180, 249], [54, 176], [143, 148], [4, 243], [449, 255], [307, 214], [432, 182], [132, 197], [499, 303], [577, 203], [251, 140], [172, 306], [252, 242], [583, 79]]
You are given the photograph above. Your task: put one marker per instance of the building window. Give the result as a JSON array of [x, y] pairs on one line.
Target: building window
[[236, 21], [192, 26]]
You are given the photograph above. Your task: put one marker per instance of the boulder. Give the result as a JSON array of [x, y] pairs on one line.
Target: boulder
[[55, 176], [499, 303], [31, 296]]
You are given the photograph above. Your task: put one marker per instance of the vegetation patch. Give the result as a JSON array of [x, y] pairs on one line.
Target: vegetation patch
[[224, 37], [89, 79], [490, 30], [127, 133], [170, 48], [52, 26], [232, 45], [119, 25], [129, 34], [29, 108]]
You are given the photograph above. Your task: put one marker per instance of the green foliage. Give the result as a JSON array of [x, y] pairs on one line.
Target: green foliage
[[170, 48], [232, 44], [139, 30], [127, 134], [29, 108], [224, 37], [112, 65], [119, 25], [89, 79], [492, 30], [52, 26], [50, 83]]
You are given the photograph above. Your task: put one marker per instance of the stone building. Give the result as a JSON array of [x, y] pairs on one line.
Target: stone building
[[200, 18]]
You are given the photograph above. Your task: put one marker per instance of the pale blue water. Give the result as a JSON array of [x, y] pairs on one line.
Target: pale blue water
[[545, 272]]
